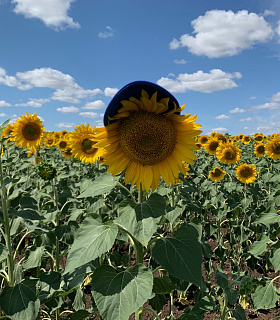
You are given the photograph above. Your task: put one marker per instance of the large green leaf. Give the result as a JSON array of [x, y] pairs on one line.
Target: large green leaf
[[266, 297], [92, 239], [29, 214], [34, 259], [173, 213], [142, 219], [21, 302], [181, 256], [260, 246], [275, 260], [268, 218], [49, 284], [103, 184], [163, 285], [118, 295]]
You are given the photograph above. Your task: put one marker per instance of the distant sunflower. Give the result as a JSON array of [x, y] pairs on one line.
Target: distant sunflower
[[272, 148], [259, 150], [246, 139], [67, 154], [259, 137], [221, 137], [7, 131], [148, 139], [63, 133], [228, 153], [211, 146], [246, 173], [28, 131], [49, 141], [62, 144], [81, 144], [203, 139], [217, 174]]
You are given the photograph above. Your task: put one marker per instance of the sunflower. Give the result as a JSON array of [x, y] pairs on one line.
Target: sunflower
[[81, 144], [62, 144], [246, 173], [7, 131], [246, 139], [228, 153], [28, 131], [49, 141], [198, 145], [217, 174], [259, 150], [63, 133], [259, 137], [272, 148], [148, 138], [221, 137], [67, 153], [212, 145], [203, 139]]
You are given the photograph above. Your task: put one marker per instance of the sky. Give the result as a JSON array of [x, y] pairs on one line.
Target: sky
[[65, 59]]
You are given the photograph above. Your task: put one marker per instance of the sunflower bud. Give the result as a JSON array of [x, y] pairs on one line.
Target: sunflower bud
[[45, 171]]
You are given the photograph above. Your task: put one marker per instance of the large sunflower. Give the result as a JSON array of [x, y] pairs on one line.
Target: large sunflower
[[217, 174], [212, 145], [259, 150], [246, 173], [272, 148], [203, 139], [81, 144], [228, 153], [148, 139], [28, 131]]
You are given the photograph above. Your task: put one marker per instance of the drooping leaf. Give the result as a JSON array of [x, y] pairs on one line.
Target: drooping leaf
[[34, 259], [173, 213], [118, 295], [275, 260], [239, 313], [181, 256], [163, 285], [25, 303], [142, 219], [49, 284], [268, 218], [206, 304], [265, 297], [103, 184], [260, 246], [92, 239], [4, 252]]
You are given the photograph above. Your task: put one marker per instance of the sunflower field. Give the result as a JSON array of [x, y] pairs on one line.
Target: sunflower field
[[88, 235]]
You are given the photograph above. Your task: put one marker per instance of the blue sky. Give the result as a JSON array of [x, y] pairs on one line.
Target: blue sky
[[65, 59]]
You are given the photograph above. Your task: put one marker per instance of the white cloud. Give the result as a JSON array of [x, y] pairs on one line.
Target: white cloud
[[268, 105], [110, 92], [221, 117], [94, 105], [268, 13], [2, 115], [276, 97], [72, 95], [65, 125], [8, 80], [245, 128], [237, 110], [246, 119], [216, 80], [4, 104], [68, 109], [220, 129], [221, 33], [35, 103], [252, 98], [99, 123], [180, 61], [52, 12], [47, 78], [88, 114], [108, 33], [278, 29]]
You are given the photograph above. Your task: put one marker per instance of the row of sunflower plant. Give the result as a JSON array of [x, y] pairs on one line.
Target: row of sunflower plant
[[137, 216]]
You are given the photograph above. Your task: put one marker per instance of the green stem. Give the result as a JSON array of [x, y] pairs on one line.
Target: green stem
[[171, 306], [224, 310], [8, 240], [131, 195], [140, 194]]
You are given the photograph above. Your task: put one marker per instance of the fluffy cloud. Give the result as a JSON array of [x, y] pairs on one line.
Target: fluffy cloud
[[221, 117], [65, 125], [180, 61], [220, 129], [88, 114], [8, 80], [68, 109], [276, 97], [246, 119], [237, 110], [110, 92], [268, 105], [2, 115], [52, 12], [216, 80], [73, 95], [108, 33], [3, 103], [35, 103], [94, 105], [221, 33]]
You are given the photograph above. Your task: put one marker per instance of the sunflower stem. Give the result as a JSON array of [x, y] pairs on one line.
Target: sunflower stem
[[140, 194], [7, 234]]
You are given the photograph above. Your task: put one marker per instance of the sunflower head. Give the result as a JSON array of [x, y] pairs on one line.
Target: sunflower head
[[45, 171], [228, 153], [203, 139], [62, 145], [246, 139], [217, 174], [246, 173], [147, 136], [28, 131], [212, 145], [259, 150], [272, 148]]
